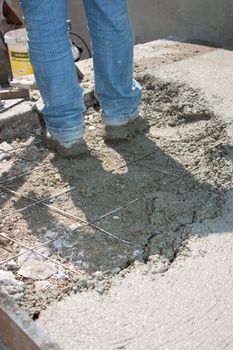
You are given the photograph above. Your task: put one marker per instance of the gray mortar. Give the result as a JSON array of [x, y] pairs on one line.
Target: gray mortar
[[179, 172], [182, 297]]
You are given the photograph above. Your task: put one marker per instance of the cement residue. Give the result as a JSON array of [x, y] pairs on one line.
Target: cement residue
[[173, 104], [162, 182], [188, 307]]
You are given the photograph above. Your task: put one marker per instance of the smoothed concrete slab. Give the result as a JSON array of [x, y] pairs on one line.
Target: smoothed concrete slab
[[188, 307]]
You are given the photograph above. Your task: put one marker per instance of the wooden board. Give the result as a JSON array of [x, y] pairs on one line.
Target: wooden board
[[12, 93], [18, 331], [16, 8]]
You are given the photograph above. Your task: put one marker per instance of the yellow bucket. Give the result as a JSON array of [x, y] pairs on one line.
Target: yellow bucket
[[18, 52]]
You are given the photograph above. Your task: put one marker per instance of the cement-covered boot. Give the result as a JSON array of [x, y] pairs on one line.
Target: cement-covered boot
[[126, 131], [77, 149]]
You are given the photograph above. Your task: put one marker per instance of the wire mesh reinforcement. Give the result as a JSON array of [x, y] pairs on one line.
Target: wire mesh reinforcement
[[66, 214]]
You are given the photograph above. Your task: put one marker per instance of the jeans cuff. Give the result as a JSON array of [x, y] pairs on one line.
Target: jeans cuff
[[67, 137], [119, 120]]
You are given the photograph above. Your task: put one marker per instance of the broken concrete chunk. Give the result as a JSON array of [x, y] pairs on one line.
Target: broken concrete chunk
[[16, 293], [57, 245], [12, 265], [9, 285], [41, 285], [29, 255], [61, 273], [4, 148], [12, 290], [18, 296], [7, 279], [156, 258], [37, 270]]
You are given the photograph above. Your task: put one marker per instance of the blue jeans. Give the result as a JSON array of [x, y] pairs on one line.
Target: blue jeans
[[112, 40]]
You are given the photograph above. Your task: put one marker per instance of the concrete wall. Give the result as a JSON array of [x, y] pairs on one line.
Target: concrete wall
[[207, 20]]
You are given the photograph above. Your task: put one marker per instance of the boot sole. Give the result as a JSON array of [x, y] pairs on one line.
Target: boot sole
[[77, 149]]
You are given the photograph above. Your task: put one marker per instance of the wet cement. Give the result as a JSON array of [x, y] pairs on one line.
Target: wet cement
[[159, 182], [172, 233], [188, 307], [182, 297]]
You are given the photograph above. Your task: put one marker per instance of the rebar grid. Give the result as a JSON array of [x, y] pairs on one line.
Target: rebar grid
[[34, 202], [21, 157], [59, 211], [61, 235], [40, 254], [24, 173], [71, 216], [20, 147]]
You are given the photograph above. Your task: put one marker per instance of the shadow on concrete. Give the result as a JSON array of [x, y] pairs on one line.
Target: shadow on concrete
[[159, 197]]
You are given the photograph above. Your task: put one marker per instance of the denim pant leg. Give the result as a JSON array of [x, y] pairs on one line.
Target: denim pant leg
[[54, 68], [112, 40]]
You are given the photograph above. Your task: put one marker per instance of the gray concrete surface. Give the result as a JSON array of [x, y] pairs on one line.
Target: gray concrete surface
[[212, 73], [201, 19], [18, 121], [196, 20], [190, 305]]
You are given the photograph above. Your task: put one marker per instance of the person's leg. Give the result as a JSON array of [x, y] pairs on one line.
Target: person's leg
[[112, 40], [54, 69]]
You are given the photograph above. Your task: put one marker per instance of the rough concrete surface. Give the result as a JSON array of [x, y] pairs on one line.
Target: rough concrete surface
[[211, 73], [188, 307], [188, 304], [152, 268], [20, 126]]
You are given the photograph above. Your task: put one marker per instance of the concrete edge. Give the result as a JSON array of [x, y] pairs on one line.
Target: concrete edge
[[18, 125], [18, 331]]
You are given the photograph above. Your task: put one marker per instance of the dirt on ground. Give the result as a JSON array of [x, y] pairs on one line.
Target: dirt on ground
[[122, 202]]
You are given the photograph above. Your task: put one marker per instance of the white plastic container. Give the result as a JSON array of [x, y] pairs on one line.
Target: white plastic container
[[18, 52]]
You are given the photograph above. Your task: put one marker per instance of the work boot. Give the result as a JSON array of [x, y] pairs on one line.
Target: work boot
[[77, 149], [126, 131]]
